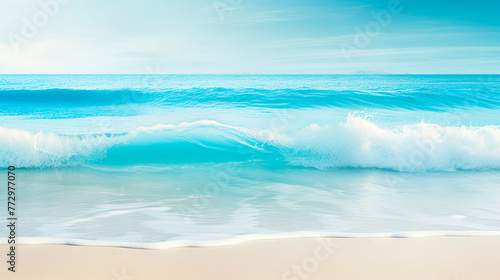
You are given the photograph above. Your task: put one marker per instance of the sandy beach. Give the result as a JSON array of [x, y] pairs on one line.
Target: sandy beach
[[446, 258]]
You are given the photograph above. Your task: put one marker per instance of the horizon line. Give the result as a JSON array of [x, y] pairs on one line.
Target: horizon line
[[252, 74]]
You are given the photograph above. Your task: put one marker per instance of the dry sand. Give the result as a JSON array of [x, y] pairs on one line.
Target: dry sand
[[426, 258]]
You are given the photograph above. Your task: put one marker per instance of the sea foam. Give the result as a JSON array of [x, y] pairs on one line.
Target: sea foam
[[356, 142]]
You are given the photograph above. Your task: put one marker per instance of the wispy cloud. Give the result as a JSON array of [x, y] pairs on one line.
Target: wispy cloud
[[256, 36]]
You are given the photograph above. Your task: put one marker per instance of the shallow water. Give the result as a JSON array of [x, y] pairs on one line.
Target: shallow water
[[207, 202]]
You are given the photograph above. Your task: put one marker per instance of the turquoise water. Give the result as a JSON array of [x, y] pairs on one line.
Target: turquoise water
[[152, 158]]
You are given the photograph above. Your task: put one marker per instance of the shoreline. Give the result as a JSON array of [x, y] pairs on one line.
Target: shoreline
[[446, 258], [243, 238]]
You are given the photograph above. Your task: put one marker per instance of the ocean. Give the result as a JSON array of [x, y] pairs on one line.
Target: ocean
[[138, 160]]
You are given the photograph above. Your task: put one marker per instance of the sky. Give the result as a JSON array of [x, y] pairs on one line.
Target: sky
[[249, 36]]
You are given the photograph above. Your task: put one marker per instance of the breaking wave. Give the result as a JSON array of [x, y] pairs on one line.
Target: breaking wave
[[353, 143]]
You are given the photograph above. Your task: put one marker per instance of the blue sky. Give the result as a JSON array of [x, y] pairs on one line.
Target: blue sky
[[249, 36]]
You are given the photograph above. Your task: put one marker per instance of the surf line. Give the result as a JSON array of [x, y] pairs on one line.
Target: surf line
[[11, 218]]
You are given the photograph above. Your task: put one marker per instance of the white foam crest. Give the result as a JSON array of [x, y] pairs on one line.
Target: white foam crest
[[44, 149], [355, 143], [359, 143], [186, 126], [29, 149]]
